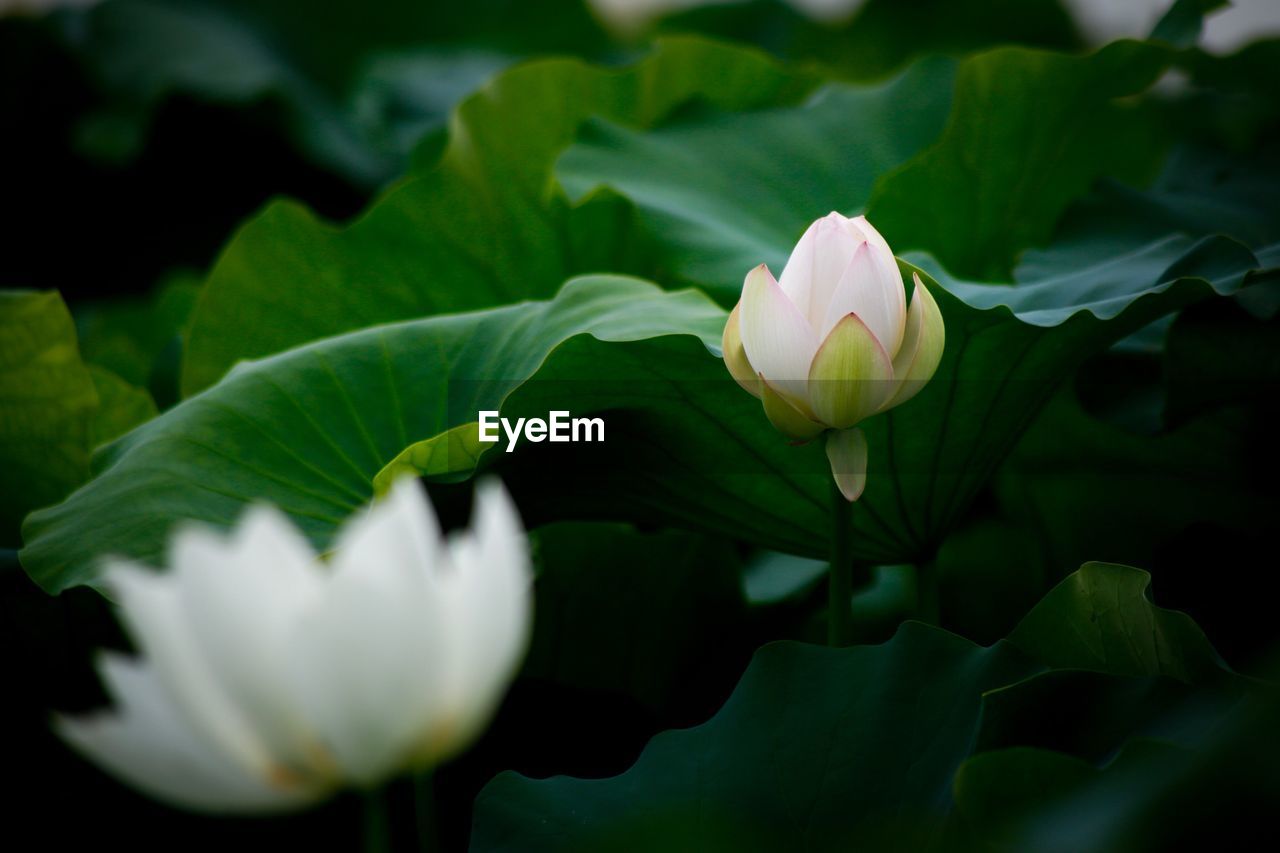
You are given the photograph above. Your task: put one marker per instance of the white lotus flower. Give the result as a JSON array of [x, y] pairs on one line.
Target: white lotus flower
[[267, 678], [833, 341]]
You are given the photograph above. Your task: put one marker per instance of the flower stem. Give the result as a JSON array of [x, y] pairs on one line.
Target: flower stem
[[377, 822], [424, 812], [840, 574]]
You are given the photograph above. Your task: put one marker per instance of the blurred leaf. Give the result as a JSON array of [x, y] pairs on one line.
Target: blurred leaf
[[402, 97], [48, 400], [140, 338], [1243, 97], [484, 226], [725, 192], [708, 186], [1182, 24], [1029, 132], [121, 407], [53, 409], [324, 70], [883, 35], [1201, 190]]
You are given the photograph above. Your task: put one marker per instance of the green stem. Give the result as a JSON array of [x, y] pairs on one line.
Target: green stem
[[840, 574], [424, 812], [377, 823]]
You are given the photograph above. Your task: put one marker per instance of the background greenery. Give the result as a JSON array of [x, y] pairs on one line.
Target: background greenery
[[261, 250]]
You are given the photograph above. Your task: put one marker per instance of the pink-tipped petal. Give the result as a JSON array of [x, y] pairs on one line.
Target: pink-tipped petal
[[735, 356], [922, 346], [847, 453], [868, 290], [885, 261], [776, 337], [833, 250], [851, 375]]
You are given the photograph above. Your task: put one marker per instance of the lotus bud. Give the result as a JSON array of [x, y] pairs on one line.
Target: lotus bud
[[833, 342], [268, 679]]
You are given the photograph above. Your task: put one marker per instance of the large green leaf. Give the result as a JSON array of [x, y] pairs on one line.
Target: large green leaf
[[1120, 666], [727, 192], [817, 748], [1028, 132], [486, 225], [310, 429]]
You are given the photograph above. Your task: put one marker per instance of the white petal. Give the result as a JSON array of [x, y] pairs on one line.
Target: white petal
[[778, 340], [870, 291], [833, 249], [397, 534], [147, 742], [368, 657], [152, 611], [366, 662], [240, 599], [861, 229], [491, 607], [797, 275]]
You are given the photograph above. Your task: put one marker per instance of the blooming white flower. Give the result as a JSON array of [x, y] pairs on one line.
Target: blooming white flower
[[833, 341], [267, 679]]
